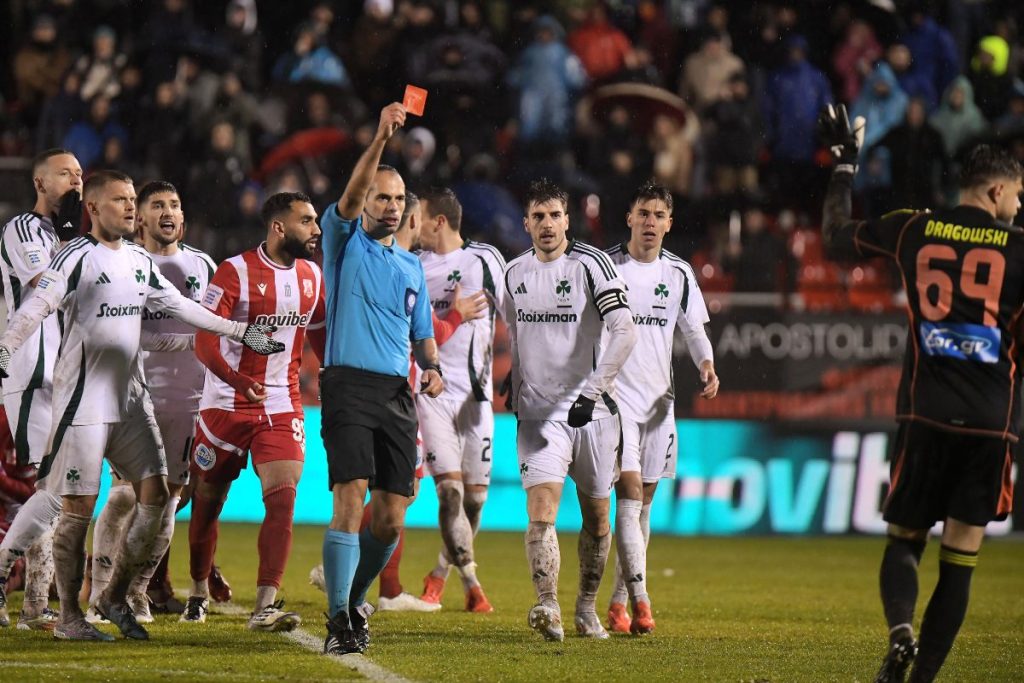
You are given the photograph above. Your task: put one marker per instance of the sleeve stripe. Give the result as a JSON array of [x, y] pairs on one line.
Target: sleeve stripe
[[24, 234], [74, 245], [508, 287], [605, 263]]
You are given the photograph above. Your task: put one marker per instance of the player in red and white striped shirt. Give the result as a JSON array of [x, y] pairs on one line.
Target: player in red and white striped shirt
[[252, 405]]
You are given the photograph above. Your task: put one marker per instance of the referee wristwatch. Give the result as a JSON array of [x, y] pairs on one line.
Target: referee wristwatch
[[435, 367]]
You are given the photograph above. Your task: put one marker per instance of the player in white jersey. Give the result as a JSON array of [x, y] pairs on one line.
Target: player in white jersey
[[664, 297], [27, 244], [559, 298], [102, 284], [458, 426], [175, 381]]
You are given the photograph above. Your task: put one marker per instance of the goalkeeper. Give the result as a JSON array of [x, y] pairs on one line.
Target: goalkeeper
[[958, 402]]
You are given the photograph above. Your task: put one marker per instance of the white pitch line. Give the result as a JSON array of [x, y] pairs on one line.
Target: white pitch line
[[356, 662], [119, 671], [307, 640]]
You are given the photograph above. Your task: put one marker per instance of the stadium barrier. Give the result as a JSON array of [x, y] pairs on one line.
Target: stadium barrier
[[735, 477]]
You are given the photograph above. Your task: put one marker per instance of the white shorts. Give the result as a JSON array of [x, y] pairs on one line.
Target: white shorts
[[457, 437], [30, 415], [549, 450], [650, 448], [133, 447]]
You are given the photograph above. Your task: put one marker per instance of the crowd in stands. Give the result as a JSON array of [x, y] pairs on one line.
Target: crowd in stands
[[234, 100]]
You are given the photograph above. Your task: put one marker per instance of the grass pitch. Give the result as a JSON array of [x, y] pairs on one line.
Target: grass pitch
[[738, 609]]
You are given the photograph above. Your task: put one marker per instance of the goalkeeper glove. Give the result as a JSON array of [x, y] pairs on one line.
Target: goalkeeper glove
[[5, 361], [842, 139], [582, 411], [257, 337], [69, 216]]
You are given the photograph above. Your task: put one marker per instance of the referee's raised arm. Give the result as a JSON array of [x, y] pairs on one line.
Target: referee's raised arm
[[353, 199]]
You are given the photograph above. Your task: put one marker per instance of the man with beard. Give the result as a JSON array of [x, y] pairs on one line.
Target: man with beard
[[252, 405], [378, 303], [175, 380]]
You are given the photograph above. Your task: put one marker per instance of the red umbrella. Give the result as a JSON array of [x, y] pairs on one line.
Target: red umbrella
[[643, 102], [312, 142]]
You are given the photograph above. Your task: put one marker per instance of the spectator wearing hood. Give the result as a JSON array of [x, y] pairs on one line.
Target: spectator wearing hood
[[917, 161], [913, 82], [39, 65], [932, 48], [100, 70], [794, 96], [604, 50], [87, 138], [707, 71], [958, 120], [990, 76], [852, 59], [244, 42], [417, 163], [547, 76], [882, 103], [310, 59]]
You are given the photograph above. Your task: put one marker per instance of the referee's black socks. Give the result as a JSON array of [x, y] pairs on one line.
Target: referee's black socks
[[898, 581], [945, 612]]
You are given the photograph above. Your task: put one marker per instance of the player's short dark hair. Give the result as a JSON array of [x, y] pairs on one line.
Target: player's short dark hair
[[279, 203], [652, 190], [443, 202], [544, 190], [100, 179], [43, 157], [411, 202], [986, 163], [154, 187], [386, 168]]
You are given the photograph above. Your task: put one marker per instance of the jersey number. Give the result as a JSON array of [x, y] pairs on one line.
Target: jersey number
[[485, 454], [931, 280]]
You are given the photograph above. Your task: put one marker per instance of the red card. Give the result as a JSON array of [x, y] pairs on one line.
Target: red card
[[415, 100]]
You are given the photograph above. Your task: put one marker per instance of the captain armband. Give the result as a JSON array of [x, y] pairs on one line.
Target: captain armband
[[610, 300]]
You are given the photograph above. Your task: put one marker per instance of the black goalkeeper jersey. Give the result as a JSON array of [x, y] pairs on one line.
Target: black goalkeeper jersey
[[963, 272]]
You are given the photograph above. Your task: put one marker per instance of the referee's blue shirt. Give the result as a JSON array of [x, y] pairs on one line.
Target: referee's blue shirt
[[377, 299]]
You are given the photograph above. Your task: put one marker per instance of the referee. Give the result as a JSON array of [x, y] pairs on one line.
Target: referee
[[377, 303]]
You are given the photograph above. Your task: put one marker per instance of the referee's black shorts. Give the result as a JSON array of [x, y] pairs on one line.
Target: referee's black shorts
[[936, 474], [369, 428]]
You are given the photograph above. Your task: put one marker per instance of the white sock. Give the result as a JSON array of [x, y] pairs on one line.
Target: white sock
[[163, 542], [593, 555], [39, 571], [107, 534], [456, 530], [136, 549], [265, 596], [631, 563], [69, 561], [545, 560], [37, 515], [645, 523], [201, 589], [474, 506]]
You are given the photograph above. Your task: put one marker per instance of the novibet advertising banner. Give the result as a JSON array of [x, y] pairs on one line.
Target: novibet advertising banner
[[735, 477]]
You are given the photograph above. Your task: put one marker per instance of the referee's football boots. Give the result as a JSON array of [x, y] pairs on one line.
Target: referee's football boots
[[341, 639]]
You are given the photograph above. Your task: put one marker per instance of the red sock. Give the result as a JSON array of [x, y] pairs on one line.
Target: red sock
[[390, 584], [202, 536], [275, 540]]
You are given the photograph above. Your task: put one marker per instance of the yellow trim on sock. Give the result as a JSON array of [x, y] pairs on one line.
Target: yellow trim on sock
[[960, 559]]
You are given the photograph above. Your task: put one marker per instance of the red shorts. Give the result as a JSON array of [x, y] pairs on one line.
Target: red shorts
[[225, 438]]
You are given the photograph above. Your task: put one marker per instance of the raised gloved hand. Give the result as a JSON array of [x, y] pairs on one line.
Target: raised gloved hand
[[68, 220], [257, 337], [843, 139], [582, 411], [5, 361]]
